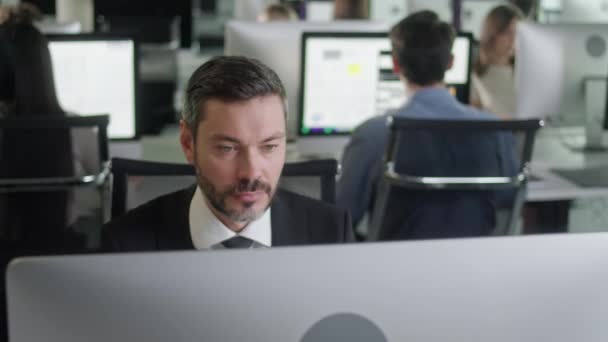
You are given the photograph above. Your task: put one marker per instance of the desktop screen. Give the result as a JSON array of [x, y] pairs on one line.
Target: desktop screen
[[97, 75], [348, 78]]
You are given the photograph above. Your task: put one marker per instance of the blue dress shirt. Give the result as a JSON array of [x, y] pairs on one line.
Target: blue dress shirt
[[362, 159]]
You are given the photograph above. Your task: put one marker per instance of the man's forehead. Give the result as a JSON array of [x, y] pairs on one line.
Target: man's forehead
[[215, 102], [258, 118]]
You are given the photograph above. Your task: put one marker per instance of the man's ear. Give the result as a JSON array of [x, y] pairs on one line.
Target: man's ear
[[396, 67], [451, 62], [186, 139]]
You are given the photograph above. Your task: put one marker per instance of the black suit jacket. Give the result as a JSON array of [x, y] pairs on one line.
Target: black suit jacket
[[163, 224]]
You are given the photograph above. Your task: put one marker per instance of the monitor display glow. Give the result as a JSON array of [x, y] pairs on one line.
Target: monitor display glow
[[277, 44], [97, 76], [348, 78]]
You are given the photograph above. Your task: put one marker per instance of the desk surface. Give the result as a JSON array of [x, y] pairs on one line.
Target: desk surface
[[554, 148], [561, 148]]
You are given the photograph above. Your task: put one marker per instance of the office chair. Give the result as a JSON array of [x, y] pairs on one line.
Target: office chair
[[424, 193], [324, 169], [37, 170]]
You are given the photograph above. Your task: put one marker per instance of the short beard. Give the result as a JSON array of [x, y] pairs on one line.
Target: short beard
[[217, 199]]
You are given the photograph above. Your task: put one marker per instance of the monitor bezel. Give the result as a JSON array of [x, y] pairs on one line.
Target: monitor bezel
[[136, 76], [340, 34]]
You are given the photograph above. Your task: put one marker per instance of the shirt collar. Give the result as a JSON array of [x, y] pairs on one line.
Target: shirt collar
[[208, 232]]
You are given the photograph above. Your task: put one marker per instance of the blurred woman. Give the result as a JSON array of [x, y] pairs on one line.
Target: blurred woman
[[27, 89], [278, 12], [492, 82], [351, 9]]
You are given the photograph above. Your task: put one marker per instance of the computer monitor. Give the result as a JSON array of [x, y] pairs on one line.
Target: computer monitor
[[388, 10], [553, 66], [348, 78], [502, 289], [153, 16], [277, 44], [97, 74]]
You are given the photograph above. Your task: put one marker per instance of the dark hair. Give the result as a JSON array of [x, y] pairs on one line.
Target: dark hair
[[26, 71], [280, 12], [351, 9], [422, 45], [230, 79], [496, 22], [27, 86]]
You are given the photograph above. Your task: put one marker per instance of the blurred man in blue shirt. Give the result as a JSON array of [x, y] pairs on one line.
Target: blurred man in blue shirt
[[422, 47]]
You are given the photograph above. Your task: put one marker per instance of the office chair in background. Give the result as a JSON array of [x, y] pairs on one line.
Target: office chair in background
[[453, 182], [183, 175], [37, 174]]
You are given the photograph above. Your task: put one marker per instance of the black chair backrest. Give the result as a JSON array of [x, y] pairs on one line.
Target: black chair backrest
[[456, 168], [40, 124], [35, 148], [324, 169], [454, 133]]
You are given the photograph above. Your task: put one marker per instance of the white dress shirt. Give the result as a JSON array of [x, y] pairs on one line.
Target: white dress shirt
[[208, 232]]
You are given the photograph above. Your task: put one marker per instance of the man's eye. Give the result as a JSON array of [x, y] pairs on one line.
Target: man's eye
[[225, 148], [269, 147]]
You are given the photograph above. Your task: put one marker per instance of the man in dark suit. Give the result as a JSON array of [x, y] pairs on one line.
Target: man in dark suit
[[233, 132]]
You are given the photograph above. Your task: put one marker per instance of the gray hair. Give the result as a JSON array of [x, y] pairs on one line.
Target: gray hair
[[230, 79]]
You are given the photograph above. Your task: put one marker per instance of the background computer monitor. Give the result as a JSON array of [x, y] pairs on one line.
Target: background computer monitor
[[551, 65], [348, 78], [150, 20], [277, 44], [524, 289], [97, 74]]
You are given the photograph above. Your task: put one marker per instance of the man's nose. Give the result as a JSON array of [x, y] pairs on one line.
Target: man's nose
[[250, 165]]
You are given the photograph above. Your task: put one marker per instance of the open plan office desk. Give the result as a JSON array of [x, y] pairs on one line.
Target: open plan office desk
[[551, 194]]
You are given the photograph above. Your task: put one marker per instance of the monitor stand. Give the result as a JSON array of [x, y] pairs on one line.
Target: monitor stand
[[321, 147], [595, 112], [130, 149], [594, 149]]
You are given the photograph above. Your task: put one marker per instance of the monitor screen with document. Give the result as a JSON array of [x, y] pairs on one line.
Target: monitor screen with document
[[277, 44], [348, 78], [97, 74]]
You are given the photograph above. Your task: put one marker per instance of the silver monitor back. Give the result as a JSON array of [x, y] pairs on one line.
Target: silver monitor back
[[525, 289], [551, 65], [278, 44]]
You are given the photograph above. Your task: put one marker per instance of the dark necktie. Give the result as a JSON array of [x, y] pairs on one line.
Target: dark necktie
[[237, 242]]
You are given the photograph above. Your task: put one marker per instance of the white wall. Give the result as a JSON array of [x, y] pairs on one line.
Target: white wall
[[250, 9], [76, 10], [587, 11], [442, 7], [388, 11]]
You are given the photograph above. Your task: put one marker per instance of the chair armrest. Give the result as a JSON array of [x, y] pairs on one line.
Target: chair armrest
[[54, 183], [454, 183]]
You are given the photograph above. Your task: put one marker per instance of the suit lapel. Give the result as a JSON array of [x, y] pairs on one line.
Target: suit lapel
[[175, 232], [288, 222]]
